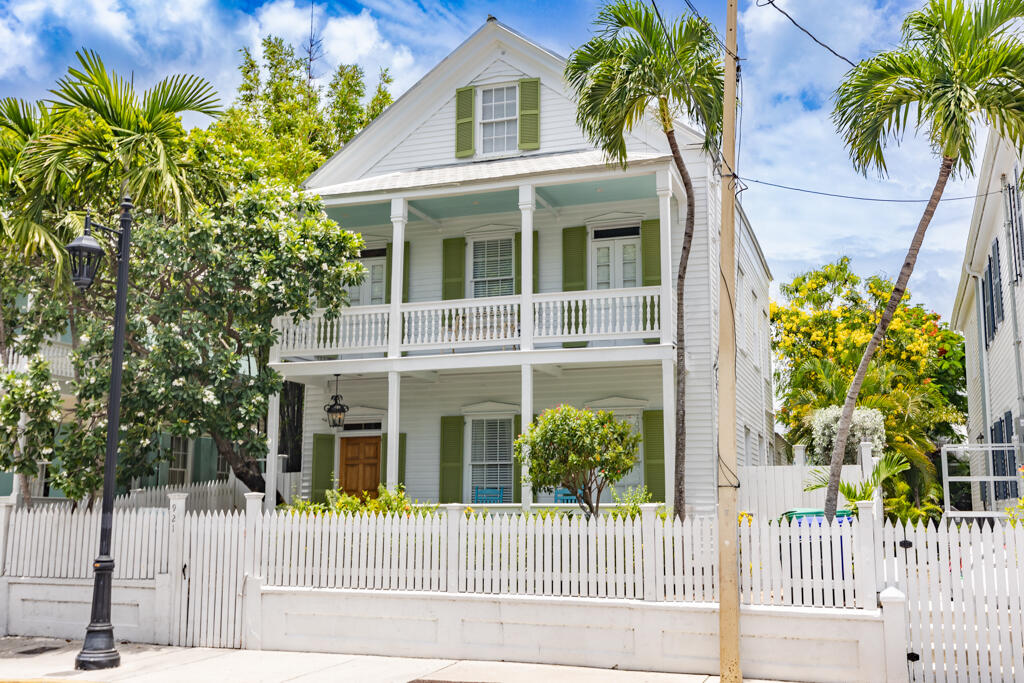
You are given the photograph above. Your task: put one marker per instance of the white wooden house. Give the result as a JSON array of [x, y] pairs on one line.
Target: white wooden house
[[530, 273], [989, 311]]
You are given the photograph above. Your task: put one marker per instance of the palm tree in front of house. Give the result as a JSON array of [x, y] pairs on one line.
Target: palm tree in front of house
[[957, 67], [636, 65]]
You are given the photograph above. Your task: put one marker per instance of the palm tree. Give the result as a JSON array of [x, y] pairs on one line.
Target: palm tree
[[634, 66], [99, 139], [957, 67]]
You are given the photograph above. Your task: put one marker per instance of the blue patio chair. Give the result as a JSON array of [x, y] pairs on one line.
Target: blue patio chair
[[564, 496], [484, 495]]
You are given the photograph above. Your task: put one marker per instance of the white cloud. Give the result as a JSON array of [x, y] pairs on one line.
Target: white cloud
[[789, 138]]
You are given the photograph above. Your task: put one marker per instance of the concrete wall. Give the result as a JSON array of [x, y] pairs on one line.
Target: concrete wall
[[797, 644]]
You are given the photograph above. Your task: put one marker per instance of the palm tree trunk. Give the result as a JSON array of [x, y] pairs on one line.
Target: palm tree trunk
[[843, 431], [679, 507]]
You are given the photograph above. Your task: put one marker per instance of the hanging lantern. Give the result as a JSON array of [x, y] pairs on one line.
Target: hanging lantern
[[336, 410], [85, 254]]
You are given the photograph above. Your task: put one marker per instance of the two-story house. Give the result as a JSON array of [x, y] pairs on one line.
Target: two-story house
[[511, 269], [989, 311]]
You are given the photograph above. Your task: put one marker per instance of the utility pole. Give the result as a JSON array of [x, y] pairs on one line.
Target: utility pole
[[728, 482]]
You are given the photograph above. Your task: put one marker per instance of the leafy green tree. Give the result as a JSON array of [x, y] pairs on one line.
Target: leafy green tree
[[958, 67], [283, 126], [634, 64], [578, 450], [30, 412], [204, 294]]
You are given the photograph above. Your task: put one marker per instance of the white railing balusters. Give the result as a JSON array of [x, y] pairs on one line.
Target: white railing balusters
[[597, 314]]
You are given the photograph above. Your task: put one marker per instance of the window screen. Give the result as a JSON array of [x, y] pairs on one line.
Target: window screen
[[491, 459]]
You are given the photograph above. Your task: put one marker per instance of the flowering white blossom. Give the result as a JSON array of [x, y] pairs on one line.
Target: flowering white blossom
[[209, 397], [867, 425]]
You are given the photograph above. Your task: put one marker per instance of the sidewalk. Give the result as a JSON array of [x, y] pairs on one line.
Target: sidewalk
[[47, 659]]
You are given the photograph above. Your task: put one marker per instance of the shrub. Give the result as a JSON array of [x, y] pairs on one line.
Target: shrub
[[628, 504], [581, 451], [868, 425], [385, 503]]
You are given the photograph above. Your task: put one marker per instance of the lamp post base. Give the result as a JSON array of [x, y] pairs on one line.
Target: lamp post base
[[98, 649]]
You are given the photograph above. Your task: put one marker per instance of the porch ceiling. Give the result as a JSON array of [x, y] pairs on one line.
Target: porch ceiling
[[610, 189]]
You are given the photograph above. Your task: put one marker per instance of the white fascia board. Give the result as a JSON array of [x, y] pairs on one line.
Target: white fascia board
[[483, 360], [642, 167]]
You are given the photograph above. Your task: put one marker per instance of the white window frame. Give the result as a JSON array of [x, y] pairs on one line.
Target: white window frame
[[364, 288], [467, 454], [187, 455], [479, 111], [592, 246], [471, 241]]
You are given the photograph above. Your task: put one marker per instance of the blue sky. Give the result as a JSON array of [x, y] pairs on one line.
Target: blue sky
[[787, 135]]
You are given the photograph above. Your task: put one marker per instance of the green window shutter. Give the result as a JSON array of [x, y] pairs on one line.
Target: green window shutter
[[165, 449], [464, 108], [529, 113], [204, 460], [574, 272], [453, 268], [387, 273], [450, 489], [384, 459], [650, 264], [517, 469], [650, 252], [322, 474], [654, 453]]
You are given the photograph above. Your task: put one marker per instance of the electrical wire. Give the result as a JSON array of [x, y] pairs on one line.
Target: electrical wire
[[762, 3], [714, 31], [862, 198]]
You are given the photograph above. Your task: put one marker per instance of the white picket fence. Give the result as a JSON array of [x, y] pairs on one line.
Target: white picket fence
[[770, 490], [54, 542], [965, 598], [221, 494]]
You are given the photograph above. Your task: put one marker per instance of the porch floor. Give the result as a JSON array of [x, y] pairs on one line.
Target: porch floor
[[154, 663]]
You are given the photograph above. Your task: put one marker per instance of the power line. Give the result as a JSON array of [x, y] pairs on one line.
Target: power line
[[714, 31], [864, 199], [762, 3]]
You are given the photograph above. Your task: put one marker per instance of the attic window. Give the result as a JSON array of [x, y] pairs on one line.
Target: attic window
[[498, 118]]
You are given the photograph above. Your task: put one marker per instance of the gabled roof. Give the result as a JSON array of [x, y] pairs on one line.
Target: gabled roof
[[415, 105]]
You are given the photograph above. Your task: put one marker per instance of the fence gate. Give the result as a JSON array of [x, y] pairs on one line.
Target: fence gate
[[209, 590], [965, 594]]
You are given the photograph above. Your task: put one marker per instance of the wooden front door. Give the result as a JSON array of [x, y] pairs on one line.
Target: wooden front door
[[360, 464]]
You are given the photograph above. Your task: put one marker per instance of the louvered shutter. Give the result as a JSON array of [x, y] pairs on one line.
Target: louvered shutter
[[464, 108], [162, 470], [654, 453], [517, 469], [529, 113], [574, 277], [453, 268], [1011, 454], [997, 283], [322, 474], [450, 469], [650, 264]]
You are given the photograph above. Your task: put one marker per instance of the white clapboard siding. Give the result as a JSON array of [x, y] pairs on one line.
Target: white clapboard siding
[[60, 543], [767, 491], [965, 598]]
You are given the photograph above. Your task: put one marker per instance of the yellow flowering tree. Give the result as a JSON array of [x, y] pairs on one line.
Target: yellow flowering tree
[[819, 331]]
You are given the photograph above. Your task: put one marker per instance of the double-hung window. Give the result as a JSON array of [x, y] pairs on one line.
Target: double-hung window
[[177, 468], [490, 460], [493, 267], [499, 119]]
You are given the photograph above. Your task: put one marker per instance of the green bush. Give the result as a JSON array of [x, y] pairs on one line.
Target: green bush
[[578, 450], [387, 502]]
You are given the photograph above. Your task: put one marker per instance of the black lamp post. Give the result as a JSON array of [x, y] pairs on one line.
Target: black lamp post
[[98, 650], [336, 409]]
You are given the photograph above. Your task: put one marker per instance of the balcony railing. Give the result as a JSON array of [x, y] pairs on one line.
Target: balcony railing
[[57, 354], [492, 322]]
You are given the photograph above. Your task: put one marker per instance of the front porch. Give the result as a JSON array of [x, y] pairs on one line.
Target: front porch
[[455, 426]]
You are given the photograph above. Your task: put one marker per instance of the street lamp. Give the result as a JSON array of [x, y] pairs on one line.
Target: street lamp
[[336, 409], [85, 253]]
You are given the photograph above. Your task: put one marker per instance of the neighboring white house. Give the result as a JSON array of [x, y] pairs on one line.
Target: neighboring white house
[[531, 273], [989, 311]]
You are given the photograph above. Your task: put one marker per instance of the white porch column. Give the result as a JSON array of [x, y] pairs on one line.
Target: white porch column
[[336, 471], [526, 205], [273, 434], [399, 217], [394, 401], [664, 189], [668, 401], [526, 417]]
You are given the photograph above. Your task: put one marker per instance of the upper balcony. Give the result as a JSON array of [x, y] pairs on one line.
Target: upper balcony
[[560, 260]]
